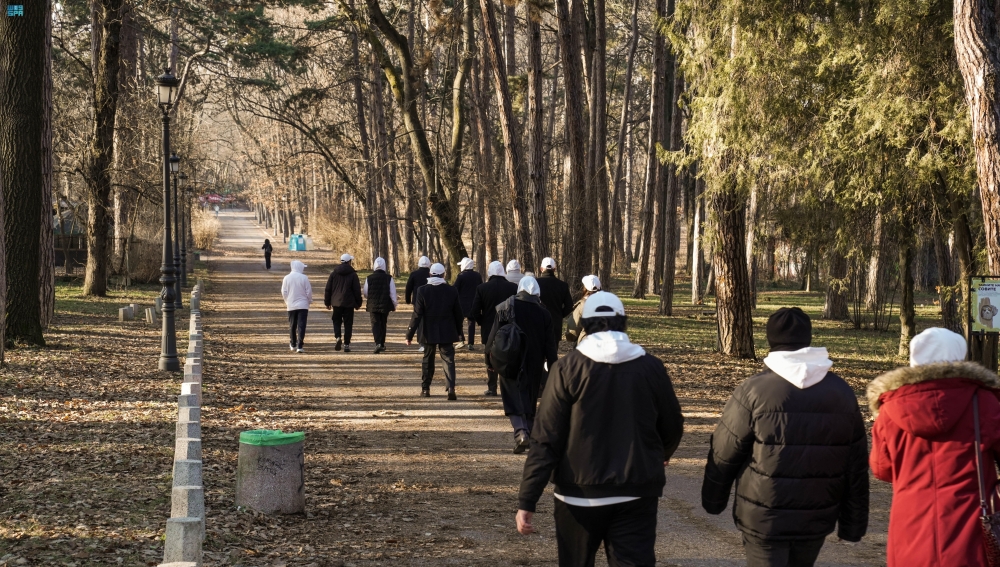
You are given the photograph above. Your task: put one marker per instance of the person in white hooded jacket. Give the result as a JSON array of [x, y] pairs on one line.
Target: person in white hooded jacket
[[793, 441], [297, 293]]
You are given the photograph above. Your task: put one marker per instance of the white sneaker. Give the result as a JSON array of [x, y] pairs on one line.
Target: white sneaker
[[421, 349], [291, 347], [298, 350]]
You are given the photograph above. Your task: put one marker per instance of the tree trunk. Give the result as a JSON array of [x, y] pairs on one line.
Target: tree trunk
[[752, 216], [458, 118], [733, 310], [835, 307], [977, 44], [907, 326], [22, 89], [511, 137], [597, 158], [697, 254], [47, 249], [966, 262], [536, 141], [946, 280], [620, 209], [485, 164], [673, 189]]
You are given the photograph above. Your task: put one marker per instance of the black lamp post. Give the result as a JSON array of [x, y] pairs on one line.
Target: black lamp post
[[183, 231], [175, 165], [166, 94]]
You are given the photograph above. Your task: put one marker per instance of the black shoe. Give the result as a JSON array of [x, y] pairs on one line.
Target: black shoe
[[451, 395], [470, 347], [347, 348], [337, 346], [490, 393], [425, 393], [522, 445], [378, 349]]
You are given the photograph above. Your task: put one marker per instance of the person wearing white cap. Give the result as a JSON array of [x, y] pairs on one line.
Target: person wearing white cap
[[514, 274], [574, 330], [437, 315], [495, 291], [297, 293], [380, 293], [343, 296], [417, 278], [607, 425], [522, 372], [555, 296], [467, 281], [936, 438]]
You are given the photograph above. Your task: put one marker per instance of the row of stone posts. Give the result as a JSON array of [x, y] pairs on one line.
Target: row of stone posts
[[186, 526]]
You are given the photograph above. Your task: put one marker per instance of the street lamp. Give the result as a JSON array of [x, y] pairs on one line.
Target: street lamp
[[175, 165], [183, 230], [166, 94]]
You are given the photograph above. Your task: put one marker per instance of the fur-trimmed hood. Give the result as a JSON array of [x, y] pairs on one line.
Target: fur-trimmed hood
[[899, 377]]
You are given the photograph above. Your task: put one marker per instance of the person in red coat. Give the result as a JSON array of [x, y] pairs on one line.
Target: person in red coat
[[922, 442]]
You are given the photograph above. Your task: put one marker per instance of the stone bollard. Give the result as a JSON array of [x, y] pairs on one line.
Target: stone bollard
[[189, 414], [125, 314], [187, 472], [188, 502], [270, 476], [136, 309], [191, 388], [193, 379], [193, 366], [188, 429], [151, 316], [183, 541], [158, 302], [195, 303], [178, 564], [187, 401], [196, 345], [187, 449]]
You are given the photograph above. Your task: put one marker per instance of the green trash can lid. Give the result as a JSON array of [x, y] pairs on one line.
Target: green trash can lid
[[271, 437]]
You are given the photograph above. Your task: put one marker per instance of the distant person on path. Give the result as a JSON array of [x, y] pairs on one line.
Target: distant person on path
[[520, 384], [574, 328], [555, 296], [417, 278], [495, 291], [437, 315], [380, 291], [514, 274], [607, 426], [343, 295], [467, 281], [267, 248], [298, 294], [793, 440], [923, 442]]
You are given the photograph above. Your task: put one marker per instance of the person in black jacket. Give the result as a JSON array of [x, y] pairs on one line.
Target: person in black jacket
[[793, 440], [520, 392], [343, 295], [437, 315], [555, 295], [607, 426], [495, 291], [417, 278], [380, 291], [267, 248], [466, 283]]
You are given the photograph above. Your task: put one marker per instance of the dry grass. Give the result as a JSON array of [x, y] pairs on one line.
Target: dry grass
[[341, 238], [204, 227]]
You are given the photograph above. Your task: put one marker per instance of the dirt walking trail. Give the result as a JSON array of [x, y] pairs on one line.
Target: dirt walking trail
[[392, 478]]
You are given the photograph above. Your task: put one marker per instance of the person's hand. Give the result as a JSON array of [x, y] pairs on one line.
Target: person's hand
[[666, 463], [329, 308], [524, 522], [409, 342]]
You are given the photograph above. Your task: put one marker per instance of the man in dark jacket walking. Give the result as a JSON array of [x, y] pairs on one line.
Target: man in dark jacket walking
[[417, 278], [793, 440], [555, 295], [495, 291], [521, 384], [438, 317], [343, 295], [380, 291], [608, 424], [466, 284]]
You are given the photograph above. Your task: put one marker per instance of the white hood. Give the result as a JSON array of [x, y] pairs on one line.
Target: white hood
[[530, 285], [611, 347], [379, 264], [467, 264], [434, 280], [495, 269], [298, 266], [803, 368], [424, 262]]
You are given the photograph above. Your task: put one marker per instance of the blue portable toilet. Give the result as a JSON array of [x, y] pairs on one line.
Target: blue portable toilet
[[297, 243]]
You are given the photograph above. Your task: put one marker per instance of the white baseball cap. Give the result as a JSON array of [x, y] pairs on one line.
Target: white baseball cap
[[437, 270], [548, 264], [603, 304], [591, 283], [346, 258]]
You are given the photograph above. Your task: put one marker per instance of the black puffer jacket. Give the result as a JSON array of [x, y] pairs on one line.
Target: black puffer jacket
[[343, 288], [466, 284], [799, 458], [436, 314], [417, 279], [379, 294]]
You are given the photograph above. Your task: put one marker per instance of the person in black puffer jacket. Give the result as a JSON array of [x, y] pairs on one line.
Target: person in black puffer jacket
[[380, 291], [555, 296], [495, 291], [437, 316], [793, 440], [466, 283], [343, 296]]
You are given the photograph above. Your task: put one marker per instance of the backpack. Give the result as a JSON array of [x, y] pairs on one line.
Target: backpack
[[508, 350]]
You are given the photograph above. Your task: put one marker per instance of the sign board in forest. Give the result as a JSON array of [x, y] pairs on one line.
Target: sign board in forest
[[984, 304]]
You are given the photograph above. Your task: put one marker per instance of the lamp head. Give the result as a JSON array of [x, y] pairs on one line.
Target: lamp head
[[166, 89], [175, 163]]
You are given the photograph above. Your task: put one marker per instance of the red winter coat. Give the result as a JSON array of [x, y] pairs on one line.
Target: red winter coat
[[922, 442]]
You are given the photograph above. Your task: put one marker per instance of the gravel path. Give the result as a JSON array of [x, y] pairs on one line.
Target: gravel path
[[394, 479]]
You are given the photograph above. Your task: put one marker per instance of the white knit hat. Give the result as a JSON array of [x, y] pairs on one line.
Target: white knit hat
[[591, 283], [937, 345], [603, 304]]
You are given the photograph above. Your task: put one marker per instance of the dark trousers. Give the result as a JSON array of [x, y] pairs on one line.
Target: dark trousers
[[627, 530], [763, 553], [491, 377], [472, 331], [380, 322], [267, 260], [447, 351], [343, 315], [297, 322], [522, 424]]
